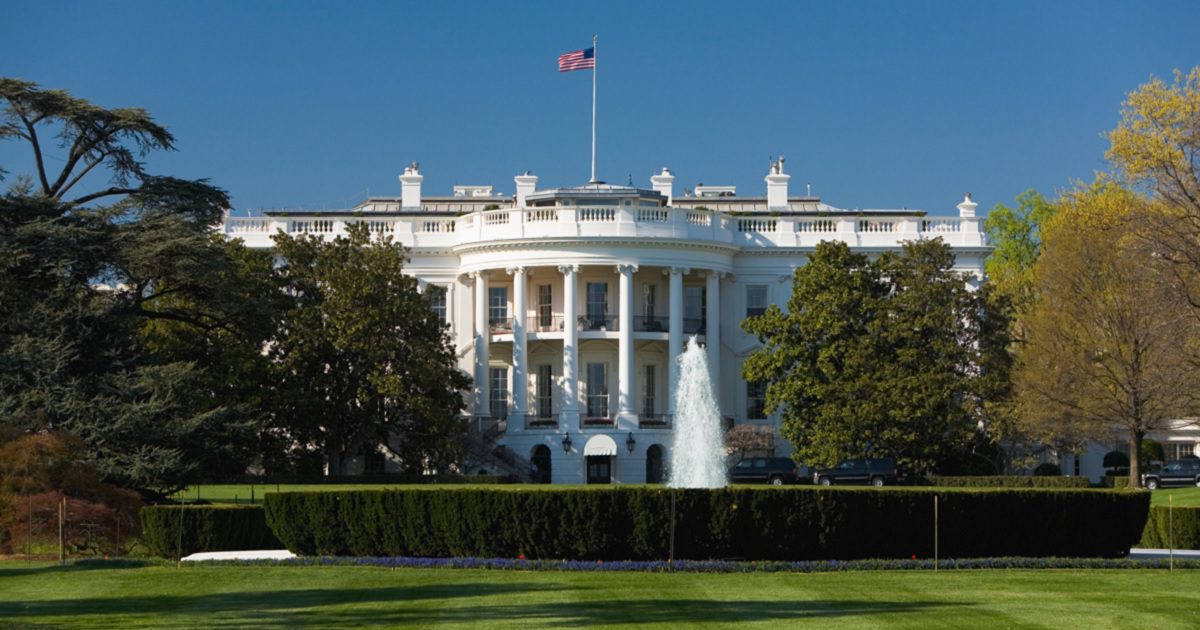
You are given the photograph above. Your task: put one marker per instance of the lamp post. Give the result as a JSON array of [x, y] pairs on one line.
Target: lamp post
[[630, 443], [566, 443]]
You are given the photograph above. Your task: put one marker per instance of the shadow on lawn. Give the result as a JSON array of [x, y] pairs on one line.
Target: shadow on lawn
[[446, 604], [14, 569]]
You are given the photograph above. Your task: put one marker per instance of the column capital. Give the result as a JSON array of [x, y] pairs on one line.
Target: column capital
[[626, 268], [564, 269], [477, 274], [676, 271], [467, 278], [515, 270]]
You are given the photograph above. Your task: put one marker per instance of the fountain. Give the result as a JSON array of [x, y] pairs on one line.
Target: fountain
[[698, 452]]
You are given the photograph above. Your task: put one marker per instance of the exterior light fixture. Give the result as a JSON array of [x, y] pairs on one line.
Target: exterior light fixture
[[630, 443], [567, 443]]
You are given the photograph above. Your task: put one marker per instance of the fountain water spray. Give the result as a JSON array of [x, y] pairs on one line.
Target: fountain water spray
[[698, 452]]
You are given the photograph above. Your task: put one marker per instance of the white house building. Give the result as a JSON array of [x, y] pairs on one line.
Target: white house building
[[568, 304]]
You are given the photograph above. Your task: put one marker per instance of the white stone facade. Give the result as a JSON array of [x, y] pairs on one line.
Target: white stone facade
[[643, 269]]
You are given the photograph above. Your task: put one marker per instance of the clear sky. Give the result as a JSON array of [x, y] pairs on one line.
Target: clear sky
[[877, 104]]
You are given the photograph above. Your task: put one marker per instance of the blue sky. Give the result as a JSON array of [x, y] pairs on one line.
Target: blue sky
[[877, 104]]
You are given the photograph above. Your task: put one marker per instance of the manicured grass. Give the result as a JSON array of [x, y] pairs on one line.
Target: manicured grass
[[242, 493], [1181, 497], [340, 596]]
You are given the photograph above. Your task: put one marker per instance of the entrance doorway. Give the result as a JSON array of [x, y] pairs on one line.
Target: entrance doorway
[[541, 464], [599, 469]]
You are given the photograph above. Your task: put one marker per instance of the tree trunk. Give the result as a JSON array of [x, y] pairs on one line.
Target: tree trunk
[[1135, 458]]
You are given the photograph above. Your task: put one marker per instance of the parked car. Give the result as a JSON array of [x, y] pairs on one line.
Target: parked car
[[876, 472], [773, 470], [1177, 472]]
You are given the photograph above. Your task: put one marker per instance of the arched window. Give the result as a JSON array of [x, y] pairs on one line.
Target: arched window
[[654, 464], [541, 463]]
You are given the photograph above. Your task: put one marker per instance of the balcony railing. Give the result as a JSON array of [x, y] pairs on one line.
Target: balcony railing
[[650, 323], [694, 326], [654, 421], [869, 228], [607, 323], [500, 325]]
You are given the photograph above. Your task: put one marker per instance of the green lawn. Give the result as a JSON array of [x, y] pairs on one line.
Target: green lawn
[[242, 493], [235, 596], [1181, 497]]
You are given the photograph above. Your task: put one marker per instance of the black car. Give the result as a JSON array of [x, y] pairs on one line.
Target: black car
[[876, 472], [1177, 472], [773, 470]]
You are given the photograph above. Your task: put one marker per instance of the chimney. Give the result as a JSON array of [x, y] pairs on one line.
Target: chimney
[[967, 207], [526, 184], [410, 186], [663, 183], [777, 186]]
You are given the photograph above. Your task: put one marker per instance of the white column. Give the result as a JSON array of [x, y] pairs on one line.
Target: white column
[[570, 408], [520, 348], [482, 337], [674, 334], [712, 331], [626, 418]]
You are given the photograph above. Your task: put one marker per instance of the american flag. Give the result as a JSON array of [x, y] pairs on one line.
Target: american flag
[[577, 60]]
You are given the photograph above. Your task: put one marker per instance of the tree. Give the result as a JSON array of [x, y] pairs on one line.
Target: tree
[[1156, 147], [1111, 343], [1016, 236], [364, 362], [887, 357], [83, 273]]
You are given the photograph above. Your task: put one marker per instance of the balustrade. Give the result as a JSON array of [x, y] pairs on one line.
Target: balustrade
[[593, 215], [757, 225], [817, 225]]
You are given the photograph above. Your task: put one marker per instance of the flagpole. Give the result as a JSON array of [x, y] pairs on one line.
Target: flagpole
[[595, 64]]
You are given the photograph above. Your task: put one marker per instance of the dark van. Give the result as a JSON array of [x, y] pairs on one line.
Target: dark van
[[773, 470], [875, 472]]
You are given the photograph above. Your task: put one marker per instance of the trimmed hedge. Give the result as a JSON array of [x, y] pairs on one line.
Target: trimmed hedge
[[1008, 481], [205, 528], [1180, 530], [736, 522], [1114, 481]]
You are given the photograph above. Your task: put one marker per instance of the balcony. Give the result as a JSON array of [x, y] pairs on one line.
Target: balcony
[[654, 421], [417, 230], [603, 323], [650, 323]]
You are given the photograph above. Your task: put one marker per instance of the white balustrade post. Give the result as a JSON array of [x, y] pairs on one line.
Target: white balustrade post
[[674, 333], [520, 348], [712, 331], [570, 408], [626, 419], [482, 337]]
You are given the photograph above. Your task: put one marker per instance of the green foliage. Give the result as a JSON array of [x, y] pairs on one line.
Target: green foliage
[[1152, 451], [83, 280], [890, 357], [362, 362], [749, 523], [1172, 528], [1009, 481], [204, 528], [1047, 469], [1116, 459], [1016, 236]]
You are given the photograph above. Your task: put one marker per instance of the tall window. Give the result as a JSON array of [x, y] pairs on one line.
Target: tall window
[[545, 306], [437, 301], [649, 386], [693, 309], [756, 299], [649, 299], [597, 393], [756, 400], [545, 391], [597, 302], [497, 305], [498, 396]]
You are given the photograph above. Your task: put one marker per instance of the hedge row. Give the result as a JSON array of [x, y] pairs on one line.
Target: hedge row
[[1008, 481], [1180, 530], [205, 528], [738, 523], [1114, 481]]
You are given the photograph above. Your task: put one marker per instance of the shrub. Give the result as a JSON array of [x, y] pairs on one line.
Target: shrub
[[1047, 469], [1178, 530], [1116, 459], [1115, 481], [205, 528], [737, 522], [1008, 481]]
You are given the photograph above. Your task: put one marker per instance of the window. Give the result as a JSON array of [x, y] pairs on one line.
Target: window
[[437, 301], [1181, 450], [498, 396], [648, 388], [756, 400], [545, 391], [597, 390], [756, 299], [498, 305], [597, 304], [545, 307], [694, 303], [649, 299]]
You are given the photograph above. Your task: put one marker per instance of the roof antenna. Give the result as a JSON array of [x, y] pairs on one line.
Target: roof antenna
[[631, 180], [808, 187]]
